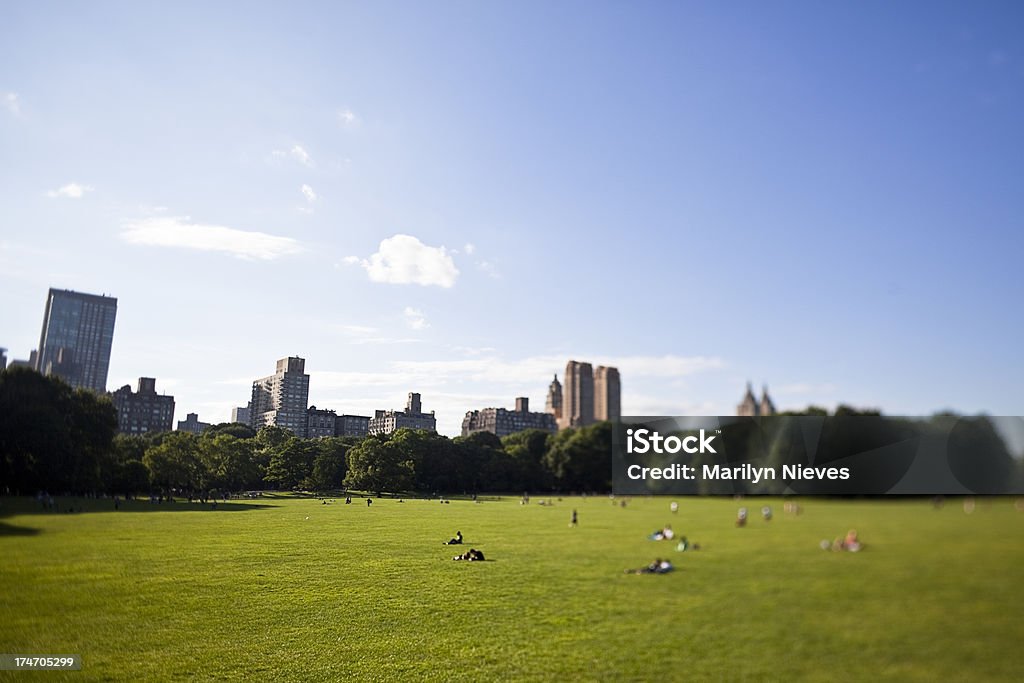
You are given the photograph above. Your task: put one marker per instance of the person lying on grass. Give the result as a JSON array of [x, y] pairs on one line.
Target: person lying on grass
[[471, 555], [455, 541], [659, 566]]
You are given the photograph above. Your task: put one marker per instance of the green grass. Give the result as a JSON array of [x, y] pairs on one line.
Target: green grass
[[296, 590]]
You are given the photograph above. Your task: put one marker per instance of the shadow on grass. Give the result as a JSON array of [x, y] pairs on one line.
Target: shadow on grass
[[72, 505], [11, 530]]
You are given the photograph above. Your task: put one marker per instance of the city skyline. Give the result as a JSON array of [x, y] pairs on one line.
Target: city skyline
[[455, 199]]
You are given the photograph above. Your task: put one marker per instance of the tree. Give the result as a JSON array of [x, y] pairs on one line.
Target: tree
[[51, 437], [175, 463], [121, 469], [484, 464], [581, 459], [526, 450], [228, 462], [239, 430], [292, 464], [376, 464], [92, 429], [329, 464], [978, 456]]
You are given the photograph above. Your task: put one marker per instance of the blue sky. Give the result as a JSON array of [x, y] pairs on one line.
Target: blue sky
[[455, 198]]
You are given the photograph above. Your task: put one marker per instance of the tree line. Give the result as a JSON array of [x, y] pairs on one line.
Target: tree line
[[58, 439]]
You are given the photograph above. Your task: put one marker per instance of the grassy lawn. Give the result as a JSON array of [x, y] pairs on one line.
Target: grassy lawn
[[286, 588]]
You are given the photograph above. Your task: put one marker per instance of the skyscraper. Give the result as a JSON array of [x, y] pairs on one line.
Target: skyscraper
[[578, 397], [78, 330], [144, 410], [281, 399], [607, 394], [502, 422], [241, 414], [554, 401], [413, 417]]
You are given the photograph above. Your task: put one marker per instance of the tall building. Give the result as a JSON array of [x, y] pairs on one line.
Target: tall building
[[3, 359], [554, 403], [192, 424], [320, 423], [767, 406], [78, 330], [607, 394], [242, 415], [144, 410], [503, 422], [351, 425], [413, 417], [750, 407], [280, 399], [578, 398]]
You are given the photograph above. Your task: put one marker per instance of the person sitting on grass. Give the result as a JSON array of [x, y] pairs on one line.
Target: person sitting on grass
[[471, 555], [685, 545], [455, 541], [741, 517], [850, 543], [659, 566]]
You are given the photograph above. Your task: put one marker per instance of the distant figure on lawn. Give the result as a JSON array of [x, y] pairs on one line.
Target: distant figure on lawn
[[766, 513], [665, 534], [674, 507], [369, 502], [471, 555], [741, 517], [850, 543], [574, 520], [685, 545], [455, 541], [659, 566]]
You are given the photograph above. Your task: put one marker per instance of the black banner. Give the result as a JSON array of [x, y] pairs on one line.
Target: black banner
[[817, 455]]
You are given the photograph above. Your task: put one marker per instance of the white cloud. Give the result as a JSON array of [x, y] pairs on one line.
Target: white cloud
[[356, 330], [297, 153], [415, 319], [308, 193], [469, 248], [488, 268], [181, 232], [474, 350], [351, 260], [70, 191], [488, 379], [12, 103], [403, 259], [347, 117], [533, 369]]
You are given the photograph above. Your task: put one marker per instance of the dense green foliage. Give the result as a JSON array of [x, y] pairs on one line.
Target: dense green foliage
[[292, 589], [58, 440], [52, 436]]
